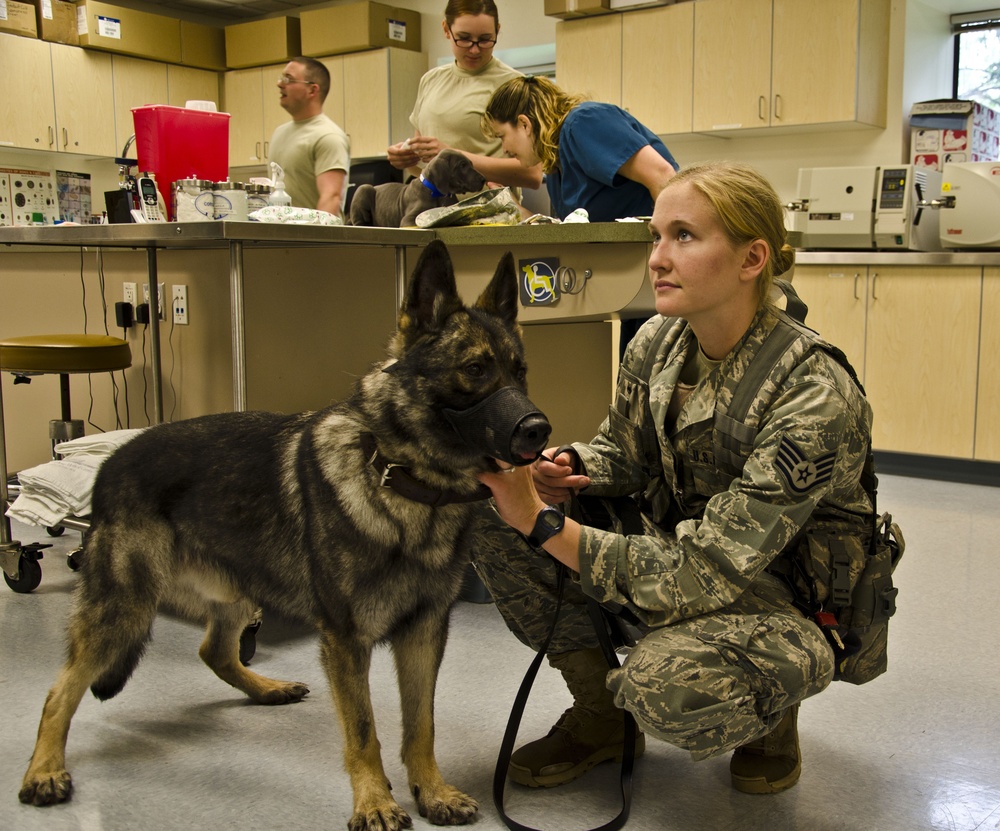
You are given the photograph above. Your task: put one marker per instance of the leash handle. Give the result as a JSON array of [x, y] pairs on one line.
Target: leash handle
[[521, 699]]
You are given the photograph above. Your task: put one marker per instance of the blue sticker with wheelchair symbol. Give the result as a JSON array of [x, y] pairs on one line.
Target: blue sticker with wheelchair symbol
[[537, 281]]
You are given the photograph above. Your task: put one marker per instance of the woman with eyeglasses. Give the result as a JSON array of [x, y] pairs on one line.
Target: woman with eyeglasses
[[451, 100]]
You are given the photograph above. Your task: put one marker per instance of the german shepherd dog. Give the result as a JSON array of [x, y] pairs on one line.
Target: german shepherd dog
[[354, 518]]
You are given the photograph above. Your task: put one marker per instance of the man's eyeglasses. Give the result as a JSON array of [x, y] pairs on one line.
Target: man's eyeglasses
[[285, 80], [468, 43]]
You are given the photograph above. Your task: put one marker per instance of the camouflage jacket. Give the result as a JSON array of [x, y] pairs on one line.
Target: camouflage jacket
[[709, 534]]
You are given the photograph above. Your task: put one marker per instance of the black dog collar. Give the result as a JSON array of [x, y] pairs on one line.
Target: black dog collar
[[404, 483]]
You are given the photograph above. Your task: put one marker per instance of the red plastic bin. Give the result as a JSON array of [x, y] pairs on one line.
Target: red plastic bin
[[179, 143]]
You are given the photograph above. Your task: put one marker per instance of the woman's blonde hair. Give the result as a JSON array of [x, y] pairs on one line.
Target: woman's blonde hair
[[748, 208], [543, 103]]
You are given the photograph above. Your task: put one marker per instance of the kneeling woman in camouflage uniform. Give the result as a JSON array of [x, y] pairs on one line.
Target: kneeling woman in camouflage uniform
[[725, 656]]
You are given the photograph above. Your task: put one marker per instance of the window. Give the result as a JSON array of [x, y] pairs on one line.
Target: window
[[977, 57]]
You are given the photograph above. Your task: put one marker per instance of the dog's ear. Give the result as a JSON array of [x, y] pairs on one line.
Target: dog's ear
[[500, 296], [432, 296]]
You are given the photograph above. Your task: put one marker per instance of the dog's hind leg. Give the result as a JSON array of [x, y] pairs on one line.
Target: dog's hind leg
[[347, 664], [418, 649], [106, 641], [221, 651]]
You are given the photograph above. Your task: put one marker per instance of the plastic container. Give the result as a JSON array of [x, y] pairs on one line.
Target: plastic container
[[192, 200], [257, 196], [230, 201], [180, 143]]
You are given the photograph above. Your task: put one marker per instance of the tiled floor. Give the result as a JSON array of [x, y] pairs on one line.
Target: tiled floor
[[916, 749]]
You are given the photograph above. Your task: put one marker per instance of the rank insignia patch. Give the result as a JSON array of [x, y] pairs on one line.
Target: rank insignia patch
[[802, 474]]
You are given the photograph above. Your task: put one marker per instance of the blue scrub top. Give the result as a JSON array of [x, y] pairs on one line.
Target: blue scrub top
[[595, 141]]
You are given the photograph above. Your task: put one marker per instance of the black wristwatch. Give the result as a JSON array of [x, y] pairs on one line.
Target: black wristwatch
[[548, 523]]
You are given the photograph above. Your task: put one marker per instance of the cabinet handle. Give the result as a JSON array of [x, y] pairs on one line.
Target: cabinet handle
[[267, 147], [874, 278], [52, 135], [761, 103], [65, 138], [256, 150], [857, 276], [777, 107]]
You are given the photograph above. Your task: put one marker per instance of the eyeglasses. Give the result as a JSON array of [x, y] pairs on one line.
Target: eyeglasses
[[468, 43], [285, 80]]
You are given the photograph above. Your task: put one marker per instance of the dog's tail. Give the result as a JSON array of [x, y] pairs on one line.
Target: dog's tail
[[115, 677], [113, 617]]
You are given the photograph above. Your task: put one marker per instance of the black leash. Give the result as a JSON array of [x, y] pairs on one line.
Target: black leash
[[521, 699]]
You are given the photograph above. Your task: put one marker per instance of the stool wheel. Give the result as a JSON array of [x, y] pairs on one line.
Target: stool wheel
[[28, 579], [54, 530]]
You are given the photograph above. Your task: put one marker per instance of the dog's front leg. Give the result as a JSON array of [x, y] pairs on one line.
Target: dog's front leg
[[418, 650], [347, 665]]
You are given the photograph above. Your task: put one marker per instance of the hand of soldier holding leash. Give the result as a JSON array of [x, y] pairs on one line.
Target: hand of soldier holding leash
[[521, 492]]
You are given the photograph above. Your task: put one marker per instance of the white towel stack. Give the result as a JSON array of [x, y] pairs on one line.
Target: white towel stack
[[52, 491]]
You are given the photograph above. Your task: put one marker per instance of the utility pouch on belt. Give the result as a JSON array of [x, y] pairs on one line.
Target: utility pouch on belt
[[872, 603]]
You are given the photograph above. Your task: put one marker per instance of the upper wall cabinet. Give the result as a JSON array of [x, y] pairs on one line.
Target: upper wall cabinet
[[252, 100], [56, 98], [642, 61], [380, 89], [789, 63], [27, 110]]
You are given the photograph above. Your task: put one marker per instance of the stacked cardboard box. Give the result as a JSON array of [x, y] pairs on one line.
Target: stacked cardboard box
[[357, 27], [18, 19], [56, 21], [951, 130], [262, 42], [568, 9]]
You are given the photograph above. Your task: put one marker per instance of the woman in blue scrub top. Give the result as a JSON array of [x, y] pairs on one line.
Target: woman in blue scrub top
[[595, 156]]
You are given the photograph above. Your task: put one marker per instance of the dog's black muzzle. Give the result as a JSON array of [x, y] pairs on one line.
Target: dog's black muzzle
[[505, 425]]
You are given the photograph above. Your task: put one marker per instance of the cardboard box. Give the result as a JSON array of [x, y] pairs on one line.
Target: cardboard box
[[951, 130], [128, 32], [262, 42], [357, 27], [56, 21], [203, 46], [18, 19], [569, 9]]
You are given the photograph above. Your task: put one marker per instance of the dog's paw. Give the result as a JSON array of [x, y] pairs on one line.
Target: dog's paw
[[446, 805], [46, 789], [283, 693], [388, 816]]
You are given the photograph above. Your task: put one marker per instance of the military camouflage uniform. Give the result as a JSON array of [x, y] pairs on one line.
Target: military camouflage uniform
[[723, 649]]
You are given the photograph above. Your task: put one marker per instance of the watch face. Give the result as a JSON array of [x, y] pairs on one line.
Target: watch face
[[551, 519]]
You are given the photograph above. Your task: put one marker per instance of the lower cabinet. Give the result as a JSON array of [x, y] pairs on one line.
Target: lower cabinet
[[913, 334], [988, 404]]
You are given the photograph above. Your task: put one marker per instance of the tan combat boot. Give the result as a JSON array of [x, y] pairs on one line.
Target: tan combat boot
[[771, 763], [588, 733]]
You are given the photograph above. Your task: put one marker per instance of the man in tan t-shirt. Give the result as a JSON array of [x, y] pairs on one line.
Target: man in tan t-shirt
[[313, 151]]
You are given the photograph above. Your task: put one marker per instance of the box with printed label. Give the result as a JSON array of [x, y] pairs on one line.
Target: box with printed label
[[262, 42], [203, 46], [18, 19], [128, 32], [56, 21], [568, 9], [951, 130], [357, 27]]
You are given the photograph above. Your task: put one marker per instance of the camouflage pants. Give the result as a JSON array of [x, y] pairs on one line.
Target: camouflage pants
[[707, 684]]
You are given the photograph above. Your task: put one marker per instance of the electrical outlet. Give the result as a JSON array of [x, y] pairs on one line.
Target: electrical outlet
[[159, 298], [179, 304], [128, 293]]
